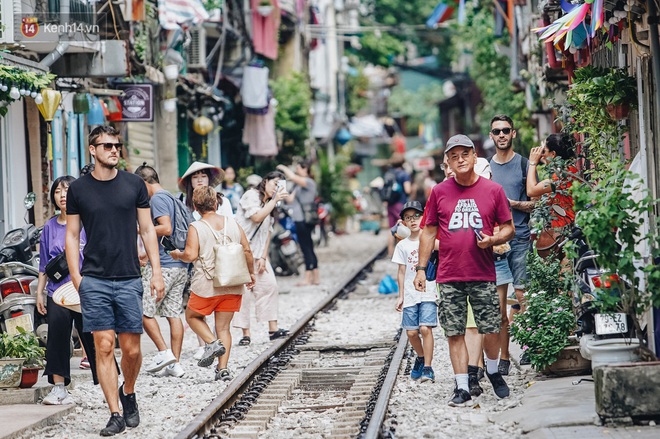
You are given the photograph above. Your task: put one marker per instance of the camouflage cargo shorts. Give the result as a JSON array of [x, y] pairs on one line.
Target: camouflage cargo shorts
[[172, 304], [452, 307]]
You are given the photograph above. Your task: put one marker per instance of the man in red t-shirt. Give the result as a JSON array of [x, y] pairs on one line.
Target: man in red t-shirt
[[462, 212]]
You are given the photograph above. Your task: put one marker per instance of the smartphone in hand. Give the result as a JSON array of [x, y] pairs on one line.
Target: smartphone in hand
[[281, 185], [478, 235], [167, 244]]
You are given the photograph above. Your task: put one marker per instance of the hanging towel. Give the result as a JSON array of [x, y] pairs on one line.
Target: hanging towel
[[265, 30], [254, 88], [259, 134]]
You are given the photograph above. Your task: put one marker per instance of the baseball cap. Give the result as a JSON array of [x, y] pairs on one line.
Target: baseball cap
[[415, 205], [458, 140]]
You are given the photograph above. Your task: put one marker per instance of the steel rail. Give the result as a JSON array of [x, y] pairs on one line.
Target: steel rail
[[205, 421], [380, 409]]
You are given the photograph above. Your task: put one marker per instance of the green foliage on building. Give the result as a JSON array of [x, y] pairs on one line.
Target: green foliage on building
[[292, 118]]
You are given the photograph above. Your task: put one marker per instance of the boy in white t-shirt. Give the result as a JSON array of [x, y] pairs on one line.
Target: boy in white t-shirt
[[420, 311]]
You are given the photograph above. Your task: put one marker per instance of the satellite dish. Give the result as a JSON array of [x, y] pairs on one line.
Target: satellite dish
[[448, 88]]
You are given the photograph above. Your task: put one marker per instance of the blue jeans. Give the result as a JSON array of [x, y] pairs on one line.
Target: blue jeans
[[111, 304], [517, 259], [422, 314]]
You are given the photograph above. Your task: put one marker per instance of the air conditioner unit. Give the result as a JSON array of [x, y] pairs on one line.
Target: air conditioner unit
[[197, 48], [9, 10]]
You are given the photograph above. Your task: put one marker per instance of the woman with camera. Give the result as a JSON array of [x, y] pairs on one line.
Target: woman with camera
[[255, 214]]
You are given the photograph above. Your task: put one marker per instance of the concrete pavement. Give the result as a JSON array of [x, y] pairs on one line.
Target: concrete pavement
[[20, 410]]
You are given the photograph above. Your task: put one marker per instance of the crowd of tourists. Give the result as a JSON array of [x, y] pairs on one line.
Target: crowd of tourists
[[136, 252]]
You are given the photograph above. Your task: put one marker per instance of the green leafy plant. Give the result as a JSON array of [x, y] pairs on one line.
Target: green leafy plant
[[603, 86], [586, 114], [612, 220], [490, 71], [543, 328], [292, 118], [25, 344]]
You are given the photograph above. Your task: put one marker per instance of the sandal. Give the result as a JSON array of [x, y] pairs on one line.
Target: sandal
[[278, 334], [245, 341]]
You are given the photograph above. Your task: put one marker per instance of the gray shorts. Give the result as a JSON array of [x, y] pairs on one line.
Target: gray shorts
[[172, 304]]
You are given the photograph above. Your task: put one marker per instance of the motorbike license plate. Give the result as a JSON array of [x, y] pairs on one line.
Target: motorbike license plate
[[24, 321], [289, 248], [614, 323]]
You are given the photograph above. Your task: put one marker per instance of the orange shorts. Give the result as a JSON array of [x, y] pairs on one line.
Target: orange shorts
[[208, 305]]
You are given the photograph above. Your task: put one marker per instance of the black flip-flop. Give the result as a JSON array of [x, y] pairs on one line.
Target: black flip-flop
[[278, 334], [245, 341]]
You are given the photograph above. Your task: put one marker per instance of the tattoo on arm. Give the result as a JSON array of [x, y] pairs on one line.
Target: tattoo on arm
[[524, 206]]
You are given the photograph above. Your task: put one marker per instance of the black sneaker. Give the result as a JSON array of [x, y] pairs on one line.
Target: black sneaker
[[499, 386], [114, 426], [503, 367], [524, 359], [480, 374], [461, 398], [473, 381], [129, 404]]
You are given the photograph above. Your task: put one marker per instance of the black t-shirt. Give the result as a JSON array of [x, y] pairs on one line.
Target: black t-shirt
[[108, 210]]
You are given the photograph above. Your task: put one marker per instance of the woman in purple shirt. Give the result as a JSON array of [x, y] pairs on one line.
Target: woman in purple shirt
[[60, 319]]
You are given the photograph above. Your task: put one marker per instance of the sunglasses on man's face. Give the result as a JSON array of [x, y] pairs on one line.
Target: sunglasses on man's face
[[108, 145], [497, 131]]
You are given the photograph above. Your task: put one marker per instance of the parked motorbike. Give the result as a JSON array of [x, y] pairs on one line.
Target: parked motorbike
[[284, 252], [19, 273], [591, 285]]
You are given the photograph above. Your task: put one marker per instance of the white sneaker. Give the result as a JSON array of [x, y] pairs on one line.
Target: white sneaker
[[58, 396], [199, 353], [160, 360], [175, 370]]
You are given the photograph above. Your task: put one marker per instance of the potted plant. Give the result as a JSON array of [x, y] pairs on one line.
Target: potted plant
[[587, 117], [24, 346], [544, 327], [612, 215], [10, 364], [265, 8]]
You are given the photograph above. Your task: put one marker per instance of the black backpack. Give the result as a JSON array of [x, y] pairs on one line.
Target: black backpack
[[180, 222], [392, 191]]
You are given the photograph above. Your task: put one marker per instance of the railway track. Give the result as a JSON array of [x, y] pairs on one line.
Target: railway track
[[309, 384]]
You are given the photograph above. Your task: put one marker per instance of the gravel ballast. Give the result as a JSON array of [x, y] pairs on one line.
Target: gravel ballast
[[417, 410]]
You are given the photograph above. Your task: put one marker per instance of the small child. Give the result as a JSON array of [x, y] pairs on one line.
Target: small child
[[420, 311]]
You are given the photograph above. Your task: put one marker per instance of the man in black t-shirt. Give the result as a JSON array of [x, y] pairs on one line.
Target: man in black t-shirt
[[111, 204]]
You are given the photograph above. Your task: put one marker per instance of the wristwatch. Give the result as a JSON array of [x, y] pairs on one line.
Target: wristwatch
[[420, 268]]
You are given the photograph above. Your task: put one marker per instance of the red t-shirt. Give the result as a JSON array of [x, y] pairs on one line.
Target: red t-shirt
[[457, 210]]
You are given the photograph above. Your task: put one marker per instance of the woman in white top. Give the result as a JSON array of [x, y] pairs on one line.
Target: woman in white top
[[255, 215]]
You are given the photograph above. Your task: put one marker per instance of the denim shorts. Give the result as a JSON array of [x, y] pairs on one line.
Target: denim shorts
[[517, 258], [503, 272], [111, 304], [422, 314]]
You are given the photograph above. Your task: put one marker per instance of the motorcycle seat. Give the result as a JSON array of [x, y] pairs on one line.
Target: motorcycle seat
[[588, 260]]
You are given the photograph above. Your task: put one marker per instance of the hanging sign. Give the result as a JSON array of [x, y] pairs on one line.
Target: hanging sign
[[137, 102]]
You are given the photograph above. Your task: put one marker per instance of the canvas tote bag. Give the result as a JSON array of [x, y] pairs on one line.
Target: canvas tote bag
[[231, 267]]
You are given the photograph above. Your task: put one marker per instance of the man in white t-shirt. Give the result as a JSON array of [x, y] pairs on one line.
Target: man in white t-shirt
[[420, 311]]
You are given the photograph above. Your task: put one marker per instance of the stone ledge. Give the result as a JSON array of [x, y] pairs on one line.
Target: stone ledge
[[628, 390]]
